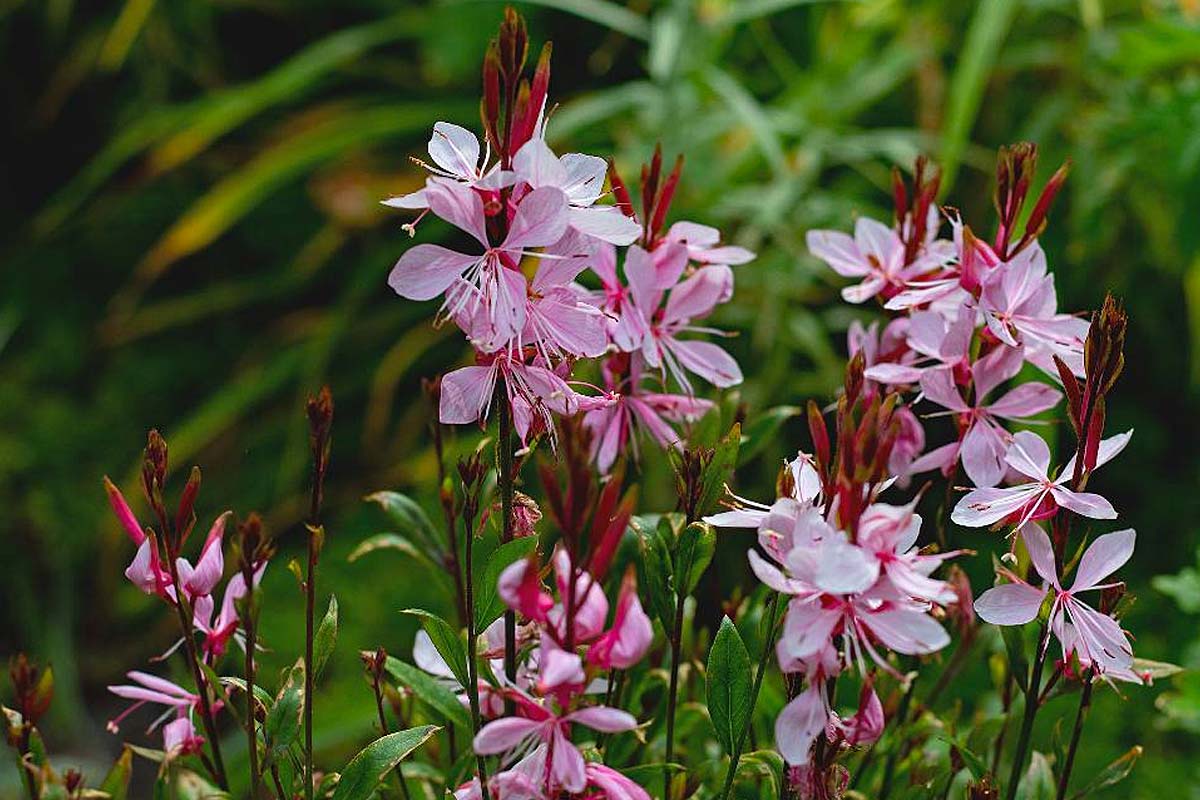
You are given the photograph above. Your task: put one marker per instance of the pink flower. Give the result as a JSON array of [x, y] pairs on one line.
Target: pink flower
[[492, 279], [704, 246], [180, 738], [944, 344], [535, 393], [146, 571], [875, 254], [219, 630], [151, 689], [984, 442], [199, 581], [1030, 456], [660, 344], [624, 644], [1096, 638], [581, 178], [1020, 307], [510, 737], [614, 426], [455, 154], [887, 534], [806, 491], [609, 784]]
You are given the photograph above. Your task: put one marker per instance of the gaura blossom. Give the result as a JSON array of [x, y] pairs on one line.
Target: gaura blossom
[[983, 441], [491, 280], [1030, 456], [660, 327], [614, 426], [624, 644], [454, 151], [535, 393], [1096, 638], [224, 626], [876, 254], [180, 738], [1020, 306], [580, 177], [564, 766], [147, 688]]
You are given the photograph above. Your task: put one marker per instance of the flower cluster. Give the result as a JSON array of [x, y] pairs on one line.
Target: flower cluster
[[159, 569], [566, 649], [521, 203], [850, 566]]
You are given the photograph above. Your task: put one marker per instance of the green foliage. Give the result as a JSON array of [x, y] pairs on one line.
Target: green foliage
[[362, 775], [728, 685]]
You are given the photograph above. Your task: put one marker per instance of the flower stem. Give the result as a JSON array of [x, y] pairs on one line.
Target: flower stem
[[1085, 703], [1032, 702], [768, 645], [901, 749], [184, 612], [504, 461], [251, 628], [384, 730], [472, 643], [673, 690], [310, 594]]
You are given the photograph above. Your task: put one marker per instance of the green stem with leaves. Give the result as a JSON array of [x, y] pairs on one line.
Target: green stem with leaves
[[472, 643], [763, 658], [251, 626]]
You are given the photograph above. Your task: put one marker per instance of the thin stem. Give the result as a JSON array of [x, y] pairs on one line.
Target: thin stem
[[764, 657], [278, 783], [673, 691], [310, 596], [22, 764], [384, 730], [472, 643], [1085, 703], [184, 613], [504, 460], [251, 627], [1031, 709]]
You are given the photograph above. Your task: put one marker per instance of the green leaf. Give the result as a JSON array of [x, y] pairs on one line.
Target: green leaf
[[260, 693], [654, 571], [282, 723], [446, 640], [1018, 660], [651, 775], [1038, 783], [488, 605], [719, 470], [728, 685], [364, 772], [191, 786], [387, 541], [1113, 774], [693, 554], [116, 782], [409, 518], [432, 693], [763, 429], [326, 638]]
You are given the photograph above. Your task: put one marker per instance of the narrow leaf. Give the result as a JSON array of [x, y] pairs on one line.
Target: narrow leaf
[[429, 691], [326, 638], [728, 685], [488, 605], [365, 771], [446, 640]]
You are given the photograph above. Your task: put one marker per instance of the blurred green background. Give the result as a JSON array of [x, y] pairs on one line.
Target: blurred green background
[[192, 240]]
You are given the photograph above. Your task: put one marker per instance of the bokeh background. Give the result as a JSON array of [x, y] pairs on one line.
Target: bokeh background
[[191, 239]]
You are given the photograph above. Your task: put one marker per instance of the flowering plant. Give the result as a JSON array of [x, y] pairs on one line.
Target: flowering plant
[[591, 653]]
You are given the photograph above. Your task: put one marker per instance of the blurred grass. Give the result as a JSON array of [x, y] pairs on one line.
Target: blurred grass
[[191, 239]]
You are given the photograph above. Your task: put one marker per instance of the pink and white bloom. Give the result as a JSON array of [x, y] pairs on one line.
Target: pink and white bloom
[[581, 178], [219, 630], [1030, 456], [876, 255], [199, 581], [491, 280], [1096, 638], [180, 738], [660, 344], [513, 737], [455, 152], [627, 641], [1020, 306], [983, 442], [535, 394], [153, 690]]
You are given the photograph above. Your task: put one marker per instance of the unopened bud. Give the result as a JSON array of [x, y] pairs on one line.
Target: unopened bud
[[154, 467]]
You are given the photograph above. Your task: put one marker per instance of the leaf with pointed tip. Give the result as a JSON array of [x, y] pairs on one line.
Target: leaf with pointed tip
[[447, 642], [488, 605], [1113, 774], [366, 770], [1038, 783], [728, 685], [693, 553], [410, 518], [429, 691], [116, 782], [326, 638]]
